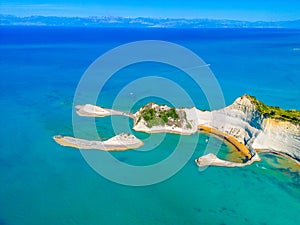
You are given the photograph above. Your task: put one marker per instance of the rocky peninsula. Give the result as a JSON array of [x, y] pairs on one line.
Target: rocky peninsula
[[248, 124]]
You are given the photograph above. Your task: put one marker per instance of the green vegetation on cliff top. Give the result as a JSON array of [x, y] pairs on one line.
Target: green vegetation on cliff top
[[276, 112], [161, 117]]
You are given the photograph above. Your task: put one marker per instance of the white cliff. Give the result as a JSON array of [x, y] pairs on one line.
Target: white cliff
[[279, 136], [244, 121]]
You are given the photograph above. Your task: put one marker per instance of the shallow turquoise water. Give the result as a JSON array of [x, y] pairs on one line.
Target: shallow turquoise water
[[44, 183]]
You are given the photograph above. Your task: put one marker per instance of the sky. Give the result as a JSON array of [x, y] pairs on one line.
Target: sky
[[251, 10]]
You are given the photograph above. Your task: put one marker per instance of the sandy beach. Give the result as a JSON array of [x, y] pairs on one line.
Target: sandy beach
[[213, 160], [240, 147], [119, 142]]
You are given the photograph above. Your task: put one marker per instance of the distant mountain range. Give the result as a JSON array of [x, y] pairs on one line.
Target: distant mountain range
[[112, 21]]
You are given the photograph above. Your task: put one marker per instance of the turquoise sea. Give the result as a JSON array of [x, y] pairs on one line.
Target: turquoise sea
[[42, 182]]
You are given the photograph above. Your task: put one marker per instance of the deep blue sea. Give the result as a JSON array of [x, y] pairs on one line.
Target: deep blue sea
[[42, 182]]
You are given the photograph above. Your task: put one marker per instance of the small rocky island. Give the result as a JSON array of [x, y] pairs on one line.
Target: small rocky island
[[119, 142], [248, 124], [153, 118]]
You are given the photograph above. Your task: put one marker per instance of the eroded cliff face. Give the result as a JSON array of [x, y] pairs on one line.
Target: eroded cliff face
[[279, 136], [247, 111], [250, 127], [240, 120]]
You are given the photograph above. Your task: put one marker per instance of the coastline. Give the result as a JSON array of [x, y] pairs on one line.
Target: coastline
[[213, 160], [246, 129], [232, 140]]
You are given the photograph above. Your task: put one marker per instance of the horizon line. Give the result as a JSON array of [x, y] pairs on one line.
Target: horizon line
[[150, 17]]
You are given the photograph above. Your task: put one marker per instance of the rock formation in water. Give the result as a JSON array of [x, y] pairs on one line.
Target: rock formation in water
[[247, 120], [153, 118]]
